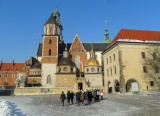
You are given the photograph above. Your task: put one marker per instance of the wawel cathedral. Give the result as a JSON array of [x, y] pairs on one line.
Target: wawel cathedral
[[60, 66]]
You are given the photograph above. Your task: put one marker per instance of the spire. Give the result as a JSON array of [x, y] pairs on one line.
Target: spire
[[106, 35], [65, 52]]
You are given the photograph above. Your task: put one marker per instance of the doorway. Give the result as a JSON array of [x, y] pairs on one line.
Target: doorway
[[80, 86]]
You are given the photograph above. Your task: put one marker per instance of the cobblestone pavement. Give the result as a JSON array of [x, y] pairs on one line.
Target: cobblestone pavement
[[112, 105]]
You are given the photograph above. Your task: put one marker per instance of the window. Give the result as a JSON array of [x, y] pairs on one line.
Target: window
[[46, 30], [107, 60], [144, 69], [151, 83], [157, 69], [154, 55], [110, 59], [13, 75], [48, 79], [115, 70], [6, 75], [92, 69], [107, 72], [0, 75], [114, 57], [50, 29], [49, 53], [143, 55], [111, 71], [77, 61], [50, 41], [65, 69]]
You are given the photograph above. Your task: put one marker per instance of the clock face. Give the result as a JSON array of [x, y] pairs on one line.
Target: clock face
[[65, 69], [92, 69]]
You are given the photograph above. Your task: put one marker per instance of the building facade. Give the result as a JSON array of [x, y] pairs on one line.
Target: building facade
[[124, 62]]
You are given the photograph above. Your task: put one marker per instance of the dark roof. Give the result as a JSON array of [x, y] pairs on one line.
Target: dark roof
[[51, 20], [65, 61], [87, 46], [96, 46], [39, 52]]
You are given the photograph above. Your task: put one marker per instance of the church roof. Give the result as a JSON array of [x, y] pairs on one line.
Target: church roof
[[65, 61], [141, 35], [51, 20], [39, 52], [87, 46], [96, 46]]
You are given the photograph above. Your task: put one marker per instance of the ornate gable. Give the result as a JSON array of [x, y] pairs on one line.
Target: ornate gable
[[78, 53]]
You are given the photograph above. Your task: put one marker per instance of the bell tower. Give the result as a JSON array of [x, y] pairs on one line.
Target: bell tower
[[52, 37]]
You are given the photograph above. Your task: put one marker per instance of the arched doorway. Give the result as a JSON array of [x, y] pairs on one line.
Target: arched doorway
[[80, 86], [132, 86], [116, 86]]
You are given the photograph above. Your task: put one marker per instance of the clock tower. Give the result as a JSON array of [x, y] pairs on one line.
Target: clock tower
[[52, 37]]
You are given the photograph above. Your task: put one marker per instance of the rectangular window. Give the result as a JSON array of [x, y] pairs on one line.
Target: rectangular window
[[111, 72], [143, 55], [151, 83], [107, 72], [154, 55], [157, 70], [115, 70], [144, 69], [13, 75], [107, 60], [110, 59], [6, 75], [0, 75], [114, 57]]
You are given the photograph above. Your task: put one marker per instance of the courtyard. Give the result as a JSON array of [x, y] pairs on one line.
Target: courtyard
[[112, 105]]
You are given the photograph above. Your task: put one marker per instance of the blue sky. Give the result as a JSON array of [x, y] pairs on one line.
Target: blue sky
[[21, 21]]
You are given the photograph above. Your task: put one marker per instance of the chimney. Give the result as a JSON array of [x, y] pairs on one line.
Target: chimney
[[0, 63], [13, 63]]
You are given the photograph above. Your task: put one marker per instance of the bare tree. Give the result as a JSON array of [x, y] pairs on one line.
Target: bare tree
[[152, 61]]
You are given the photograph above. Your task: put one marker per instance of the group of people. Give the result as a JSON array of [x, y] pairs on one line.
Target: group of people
[[83, 97]]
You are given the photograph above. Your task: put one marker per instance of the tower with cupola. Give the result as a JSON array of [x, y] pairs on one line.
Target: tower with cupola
[[52, 38]]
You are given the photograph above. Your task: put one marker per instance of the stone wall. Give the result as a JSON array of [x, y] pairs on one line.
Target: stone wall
[[41, 91]]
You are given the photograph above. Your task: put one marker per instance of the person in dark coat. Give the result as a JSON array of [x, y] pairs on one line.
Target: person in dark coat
[[72, 96], [78, 97], [89, 97], [68, 97], [62, 97]]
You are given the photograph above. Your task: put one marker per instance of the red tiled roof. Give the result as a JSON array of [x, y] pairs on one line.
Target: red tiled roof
[[142, 35], [11, 67]]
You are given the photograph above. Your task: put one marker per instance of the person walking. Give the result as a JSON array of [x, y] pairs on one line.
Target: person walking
[[62, 97], [78, 93], [72, 96], [101, 94], [68, 97]]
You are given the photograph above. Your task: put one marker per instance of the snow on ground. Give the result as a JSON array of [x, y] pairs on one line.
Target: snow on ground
[[50, 105], [9, 109]]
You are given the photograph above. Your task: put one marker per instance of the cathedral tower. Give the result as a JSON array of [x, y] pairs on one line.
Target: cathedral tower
[[52, 37]]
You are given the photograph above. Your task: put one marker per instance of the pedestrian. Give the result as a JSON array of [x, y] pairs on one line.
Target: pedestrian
[[101, 94], [78, 97], [89, 97], [82, 97], [72, 96], [62, 97], [68, 97], [98, 94]]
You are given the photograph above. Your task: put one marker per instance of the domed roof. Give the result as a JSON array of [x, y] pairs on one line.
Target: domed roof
[[92, 62], [65, 61]]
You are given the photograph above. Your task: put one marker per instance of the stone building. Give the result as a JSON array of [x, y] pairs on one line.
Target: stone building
[[124, 69], [63, 64], [9, 72]]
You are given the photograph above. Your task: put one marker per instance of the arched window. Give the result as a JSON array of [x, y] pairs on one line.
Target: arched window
[[48, 79], [77, 61], [50, 41], [49, 53]]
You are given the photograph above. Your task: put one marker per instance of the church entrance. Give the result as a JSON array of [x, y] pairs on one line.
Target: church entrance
[[80, 86]]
